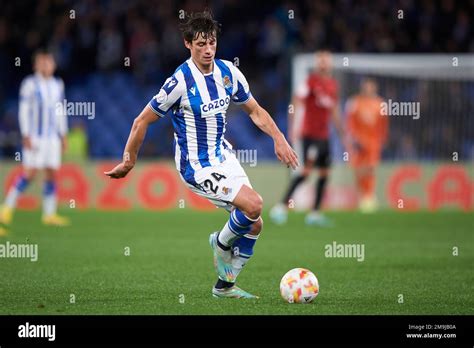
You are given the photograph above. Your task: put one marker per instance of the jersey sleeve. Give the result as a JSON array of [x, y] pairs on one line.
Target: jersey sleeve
[[241, 93], [168, 95], [27, 91]]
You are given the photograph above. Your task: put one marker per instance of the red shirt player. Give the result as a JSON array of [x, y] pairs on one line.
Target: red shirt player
[[319, 97]]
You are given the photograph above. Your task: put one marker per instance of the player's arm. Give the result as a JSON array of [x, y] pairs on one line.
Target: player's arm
[[158, 106], [134, 142], [296, 102], [336, 119], [351, 128], [263, 120], [24, 110]]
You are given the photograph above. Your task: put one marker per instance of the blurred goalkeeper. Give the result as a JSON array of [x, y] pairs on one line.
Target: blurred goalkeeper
[[43, 128], [368, 130]]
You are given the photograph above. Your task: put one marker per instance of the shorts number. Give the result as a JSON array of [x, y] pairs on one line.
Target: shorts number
[[218, 176], [210, 185]]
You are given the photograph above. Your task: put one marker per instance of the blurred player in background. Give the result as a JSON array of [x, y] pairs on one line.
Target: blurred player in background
[[368, 130], [43, 127], [319, 97], [199, 93]]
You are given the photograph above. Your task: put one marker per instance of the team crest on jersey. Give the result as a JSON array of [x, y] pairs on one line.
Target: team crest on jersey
[[227, 82], [226, 190]]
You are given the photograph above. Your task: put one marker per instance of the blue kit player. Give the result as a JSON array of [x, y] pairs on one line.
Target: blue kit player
[[198, 95]]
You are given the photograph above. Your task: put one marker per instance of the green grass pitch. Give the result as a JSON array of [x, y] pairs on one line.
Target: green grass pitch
[[170, 271]]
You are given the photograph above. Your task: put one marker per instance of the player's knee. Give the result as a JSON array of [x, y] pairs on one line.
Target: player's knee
[[255, 206], [50, 175], [257, 227], [29, 174], [323, 172]]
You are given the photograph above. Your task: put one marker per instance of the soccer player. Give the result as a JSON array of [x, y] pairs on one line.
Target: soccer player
[[319, 96], [43, 127], [199, 93], [368, 130]]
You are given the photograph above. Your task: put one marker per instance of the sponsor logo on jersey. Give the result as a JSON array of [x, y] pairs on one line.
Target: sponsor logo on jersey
[[215, 106]]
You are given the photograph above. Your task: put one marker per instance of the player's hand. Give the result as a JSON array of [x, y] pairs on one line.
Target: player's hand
[[27, 144], [120, 171], [285, 153]]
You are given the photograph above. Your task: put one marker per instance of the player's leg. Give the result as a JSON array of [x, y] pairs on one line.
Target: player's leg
[[323, 163], [366, 180], [279, 213], [237, 239], [248, 207], [20, 185], [50, 205], [242, 248], [368, 202], [357, 163], [52, 162]]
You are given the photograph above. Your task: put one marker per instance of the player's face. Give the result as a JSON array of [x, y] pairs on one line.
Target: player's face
[[324, 62], [45, 64], [369, 87], [203, 50]]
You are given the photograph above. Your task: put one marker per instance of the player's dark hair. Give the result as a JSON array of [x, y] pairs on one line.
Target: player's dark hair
[[199, 23]]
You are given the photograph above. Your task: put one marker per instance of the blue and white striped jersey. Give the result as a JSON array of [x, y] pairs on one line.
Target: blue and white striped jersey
[[199, 104], [38, 113]]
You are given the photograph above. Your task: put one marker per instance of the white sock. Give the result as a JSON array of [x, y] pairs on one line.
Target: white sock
[[239, 260], [226, 236], [12, 197], [49, 204]]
